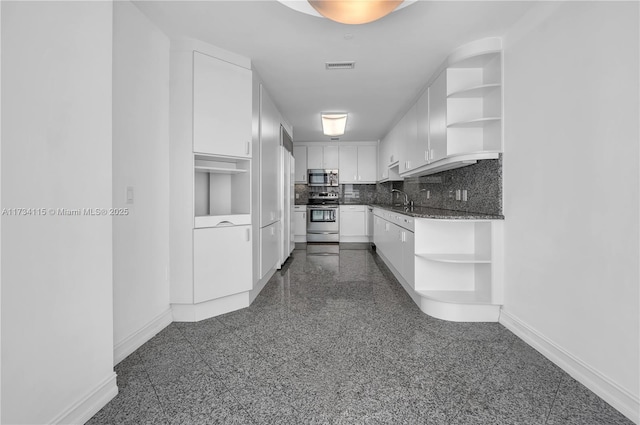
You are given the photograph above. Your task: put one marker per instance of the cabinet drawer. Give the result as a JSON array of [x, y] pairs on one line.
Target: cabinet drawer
[[352, 208]]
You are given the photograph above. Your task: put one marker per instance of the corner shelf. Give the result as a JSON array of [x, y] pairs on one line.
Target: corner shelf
[[475, 123], [456, 258], [475, 91]]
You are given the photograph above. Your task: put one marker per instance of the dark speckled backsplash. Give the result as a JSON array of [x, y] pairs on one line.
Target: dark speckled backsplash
[[483, 182]]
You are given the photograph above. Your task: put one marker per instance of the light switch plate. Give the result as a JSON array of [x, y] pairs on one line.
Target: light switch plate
[[129, 195]]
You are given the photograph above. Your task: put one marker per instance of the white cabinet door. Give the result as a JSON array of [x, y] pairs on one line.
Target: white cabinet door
[[269, 245], [314, 157], [383, 153], [331, 157], [300, 155], [300, 221], [269, 161], [348, 164], [408, 257], [408, 141], [352, 220], [421, 152], [367, 164], [222, 113], [221, 262], [438, 118]]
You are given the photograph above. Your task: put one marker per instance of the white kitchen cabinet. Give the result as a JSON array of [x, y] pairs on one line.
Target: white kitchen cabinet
[[353, 223], [269, 248], [269, 160], [358, 164], [458, 119], [409, 143], [300, 223], [348, 164], [387, 167], [438, 118], [219, 262], [211, 180], [300, 155], [452, 268], [221, 107], [323, 157], [367, 163]]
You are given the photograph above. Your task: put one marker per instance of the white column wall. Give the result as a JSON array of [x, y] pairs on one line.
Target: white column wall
[[141, 161], [571, 188], [57, 303]]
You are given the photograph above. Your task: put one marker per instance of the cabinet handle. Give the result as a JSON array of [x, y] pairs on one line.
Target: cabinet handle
[[248, 235], [304, 215], [426, 155], [248, 148]]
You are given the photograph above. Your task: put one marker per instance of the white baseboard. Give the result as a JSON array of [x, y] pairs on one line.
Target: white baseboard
[[618, 397], [81, 411], [135, 341], [260, 285], [208, 309]]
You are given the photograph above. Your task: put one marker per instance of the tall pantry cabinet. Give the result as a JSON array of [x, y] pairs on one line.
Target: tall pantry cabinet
[[210, 186]]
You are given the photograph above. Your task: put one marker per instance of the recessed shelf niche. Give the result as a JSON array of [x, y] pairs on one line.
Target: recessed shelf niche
[[222, 191]]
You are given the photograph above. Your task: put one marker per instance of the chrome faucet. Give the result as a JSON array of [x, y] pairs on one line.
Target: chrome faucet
[[406, 197]]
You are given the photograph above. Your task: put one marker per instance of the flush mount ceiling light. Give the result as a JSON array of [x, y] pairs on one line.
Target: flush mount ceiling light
[[307, 8], [354, 12], [334, 124]]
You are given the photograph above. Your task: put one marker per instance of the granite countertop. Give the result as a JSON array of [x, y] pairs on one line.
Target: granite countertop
[[428, 212]]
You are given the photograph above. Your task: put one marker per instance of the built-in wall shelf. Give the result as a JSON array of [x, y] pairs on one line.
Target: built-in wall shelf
[[218, 170], [222, 191], [475, 123], [461, 297], [456, 258], [475, 91]]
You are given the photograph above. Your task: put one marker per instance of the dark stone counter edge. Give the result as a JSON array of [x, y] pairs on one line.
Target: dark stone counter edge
[[428, 212]]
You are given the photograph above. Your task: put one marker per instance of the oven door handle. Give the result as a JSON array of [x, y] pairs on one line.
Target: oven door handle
[[321, 233]]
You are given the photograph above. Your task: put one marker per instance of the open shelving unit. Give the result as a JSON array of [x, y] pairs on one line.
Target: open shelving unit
[[474, 100], [222, 194], [457, 268]]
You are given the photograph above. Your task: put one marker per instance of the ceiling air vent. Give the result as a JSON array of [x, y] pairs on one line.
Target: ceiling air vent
[[335, 139], [340, 65]]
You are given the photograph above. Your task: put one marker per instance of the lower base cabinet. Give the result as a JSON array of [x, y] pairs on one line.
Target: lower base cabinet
[[353, 223], [452, 268], [269, 248], [300, 223], [220, 255]]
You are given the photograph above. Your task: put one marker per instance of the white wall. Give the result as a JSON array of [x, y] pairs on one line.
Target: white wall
[[57, 306], [571, 191], [140, 160]]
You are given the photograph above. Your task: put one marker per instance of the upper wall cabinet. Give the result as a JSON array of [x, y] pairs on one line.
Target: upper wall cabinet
[[222, 113], [323, 157], [300, 155], [358, 163], [458, 119]]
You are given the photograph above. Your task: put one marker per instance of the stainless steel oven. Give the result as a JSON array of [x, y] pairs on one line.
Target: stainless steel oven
[[322, 178], [323, 221], [323, 224]]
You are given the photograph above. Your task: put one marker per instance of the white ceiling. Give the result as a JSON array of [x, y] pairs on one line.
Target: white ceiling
[[394, 56]]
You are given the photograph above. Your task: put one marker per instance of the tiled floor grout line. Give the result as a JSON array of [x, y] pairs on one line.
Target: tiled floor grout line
[[553, 402], [216, 374], [155, 392]]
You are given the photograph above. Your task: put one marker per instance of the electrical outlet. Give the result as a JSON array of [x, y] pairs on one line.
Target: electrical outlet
[[451, 194], [428, 194], [458, 195], [465, 196]]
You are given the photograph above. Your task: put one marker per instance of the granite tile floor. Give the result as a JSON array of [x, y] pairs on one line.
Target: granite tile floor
[[334, 339]]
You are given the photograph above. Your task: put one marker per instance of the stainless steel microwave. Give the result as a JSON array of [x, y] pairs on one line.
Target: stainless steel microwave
[[322, 178]]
